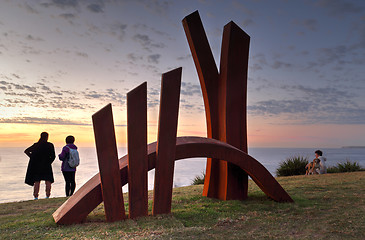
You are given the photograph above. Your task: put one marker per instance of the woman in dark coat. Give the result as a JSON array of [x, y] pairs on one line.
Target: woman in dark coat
[[41, 155]]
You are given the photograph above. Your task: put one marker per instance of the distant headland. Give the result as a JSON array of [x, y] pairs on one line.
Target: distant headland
[[353, 147]]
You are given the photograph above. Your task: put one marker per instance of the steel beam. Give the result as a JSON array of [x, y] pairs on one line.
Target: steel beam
[[107, 153], [166, 141], [137, 151]]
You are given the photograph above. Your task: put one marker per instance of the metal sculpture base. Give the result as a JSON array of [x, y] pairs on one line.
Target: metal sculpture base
[[88, 197]]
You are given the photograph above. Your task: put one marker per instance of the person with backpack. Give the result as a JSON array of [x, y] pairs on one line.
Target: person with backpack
[[70, 160], [41, 156]]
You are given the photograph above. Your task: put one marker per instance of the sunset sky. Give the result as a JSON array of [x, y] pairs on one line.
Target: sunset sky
[[63, 60]]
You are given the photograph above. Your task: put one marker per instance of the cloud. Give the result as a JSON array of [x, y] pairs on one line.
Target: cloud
[[188, 106], [277, 107], [181, 58], [118, 29], [338, 56], [30, 9], [307, 105], [259, 59], [279, 64], [82, 54], [16, 86], [25, 50], [46, 97], [16, 75], [242, 8], [62, 3], [94, 94], [110, 95], [340, 8], [310, 24], [31, 38], [67, 16], [247, 22], [255, 67], [156, 6], [30, 95], [189, 89], [329, 55], [154, 92], [146, 42], [95, 8], [144, 28], [35, 120], [154, 58], [134, 57]]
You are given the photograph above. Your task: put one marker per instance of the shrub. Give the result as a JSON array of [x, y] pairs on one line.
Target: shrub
[[347, 166], [292, 166], [333, 169], [199, 179]]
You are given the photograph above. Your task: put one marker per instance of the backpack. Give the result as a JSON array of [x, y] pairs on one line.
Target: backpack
[[73, 158]]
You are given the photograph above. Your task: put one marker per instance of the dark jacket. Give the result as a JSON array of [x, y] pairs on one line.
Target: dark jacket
[[41, 155]]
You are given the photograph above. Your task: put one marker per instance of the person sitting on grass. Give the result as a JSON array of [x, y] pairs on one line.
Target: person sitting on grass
[[322, 162], [318, 165]]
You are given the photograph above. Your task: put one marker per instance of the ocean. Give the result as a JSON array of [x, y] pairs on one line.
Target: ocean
[[13, 166]]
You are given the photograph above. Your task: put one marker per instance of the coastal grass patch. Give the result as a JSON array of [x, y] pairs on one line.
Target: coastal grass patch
[[347, 166], [292, 166], [329, 206]]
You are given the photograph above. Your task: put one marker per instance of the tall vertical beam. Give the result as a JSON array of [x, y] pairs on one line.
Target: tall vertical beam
[[224, 96], [137, 151], [233, 102], [206, 68], [166, 141], [208, 77], [107, 153]]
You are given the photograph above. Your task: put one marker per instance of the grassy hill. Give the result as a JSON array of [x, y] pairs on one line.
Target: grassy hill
[[326, 207]]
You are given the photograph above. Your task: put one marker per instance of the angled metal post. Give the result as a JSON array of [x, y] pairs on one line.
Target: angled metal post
[[137, 151], [107, 153], [166, 141]]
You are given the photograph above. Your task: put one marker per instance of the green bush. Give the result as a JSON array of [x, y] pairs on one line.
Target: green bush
[[347, 166], [199, 179], [292, 166]]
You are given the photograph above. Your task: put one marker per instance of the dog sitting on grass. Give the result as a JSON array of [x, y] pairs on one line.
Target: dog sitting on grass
[[313, 167]]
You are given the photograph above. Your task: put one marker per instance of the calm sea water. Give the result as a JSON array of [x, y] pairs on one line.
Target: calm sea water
[[13, 165]]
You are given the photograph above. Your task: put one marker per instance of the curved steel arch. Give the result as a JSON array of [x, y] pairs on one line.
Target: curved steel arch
[[89, 196]]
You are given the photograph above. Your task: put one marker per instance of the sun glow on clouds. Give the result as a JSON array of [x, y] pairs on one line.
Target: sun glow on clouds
[[61, 61]]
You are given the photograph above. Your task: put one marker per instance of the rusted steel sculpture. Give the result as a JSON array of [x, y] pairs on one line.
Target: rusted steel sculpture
[[229, 165], [137, 151], [89, 195], [106, 148], [166, 141], [224, 96]]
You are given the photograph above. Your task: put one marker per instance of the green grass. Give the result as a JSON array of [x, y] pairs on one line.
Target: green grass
[[329, 206]]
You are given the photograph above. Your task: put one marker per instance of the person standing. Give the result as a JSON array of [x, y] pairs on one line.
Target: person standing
[[68, 171], [41, 156]]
